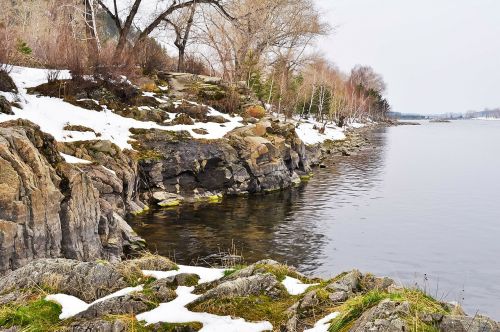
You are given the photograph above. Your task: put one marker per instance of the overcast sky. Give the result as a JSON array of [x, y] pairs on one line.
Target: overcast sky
[[437, 56]]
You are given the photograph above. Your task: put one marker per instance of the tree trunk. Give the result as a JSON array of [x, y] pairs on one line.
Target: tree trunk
[[180, 62], [91, 34]]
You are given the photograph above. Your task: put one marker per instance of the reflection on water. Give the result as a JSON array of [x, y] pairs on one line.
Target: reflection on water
[[420, 206]]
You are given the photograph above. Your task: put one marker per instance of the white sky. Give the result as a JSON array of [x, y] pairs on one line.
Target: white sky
[[437, 56]]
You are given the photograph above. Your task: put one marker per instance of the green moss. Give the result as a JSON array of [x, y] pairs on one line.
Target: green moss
[[233, 269], [307, 177], [251, 308], [38, 315], [281, 271], [170, 203], [139, 212], [136, 326]]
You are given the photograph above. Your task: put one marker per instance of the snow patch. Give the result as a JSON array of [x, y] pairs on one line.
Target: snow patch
[[72, 305], [309, 134], [74, 160], [323, 324], [295, 286], [206, 274], [176, 312], [52, 114]]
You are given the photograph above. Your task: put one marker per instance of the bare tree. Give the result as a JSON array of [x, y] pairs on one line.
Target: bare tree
[[182, 26], [166, 8]]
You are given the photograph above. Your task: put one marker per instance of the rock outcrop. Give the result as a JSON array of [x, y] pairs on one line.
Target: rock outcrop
[[49, 208], [262, 157], [254, 293]]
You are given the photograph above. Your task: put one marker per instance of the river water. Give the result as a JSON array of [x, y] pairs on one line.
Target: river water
[[422, 206]]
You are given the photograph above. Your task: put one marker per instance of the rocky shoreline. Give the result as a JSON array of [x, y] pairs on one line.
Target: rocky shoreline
[[52, 208], [68, 258], [152, 293]]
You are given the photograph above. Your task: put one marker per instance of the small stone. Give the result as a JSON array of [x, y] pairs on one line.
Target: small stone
[[5, 107], [336, 297], [200, 131]]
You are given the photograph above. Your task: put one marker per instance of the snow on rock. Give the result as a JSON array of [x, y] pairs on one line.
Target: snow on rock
[[109, 170], [206, 274], [74, 160], [176, 312], [72, 305], [309, 135], [323, 324], [295, 286], [52, 114]]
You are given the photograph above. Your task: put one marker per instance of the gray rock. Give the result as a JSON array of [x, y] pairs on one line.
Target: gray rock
[[339, 296], [88, 281], [164, 290], [247, 286], [386, 316], [131, 304], [348, 283], [468, 324], [99, 325], [51, 209]]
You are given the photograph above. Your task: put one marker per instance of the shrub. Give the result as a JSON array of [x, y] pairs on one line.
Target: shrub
[[23, 48], [255, 111], [152, 57]]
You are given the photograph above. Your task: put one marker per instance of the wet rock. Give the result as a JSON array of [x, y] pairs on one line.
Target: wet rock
[[166, 199]]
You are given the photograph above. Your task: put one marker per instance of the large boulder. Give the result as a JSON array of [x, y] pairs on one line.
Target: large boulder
[[468, 324], [387, 316], [51, 209], [30, 199], [260, 284], [131, 304], [88, 281], [261, 157]]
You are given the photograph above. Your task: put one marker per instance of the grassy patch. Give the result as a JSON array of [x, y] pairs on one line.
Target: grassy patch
[[281, 271], [38, 315], [233, 269], [251, 308], [420, 303]]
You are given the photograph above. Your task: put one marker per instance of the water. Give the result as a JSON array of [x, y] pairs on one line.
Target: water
[[421, 206]]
